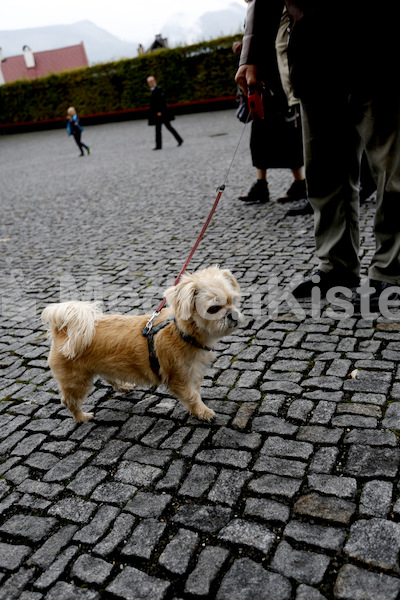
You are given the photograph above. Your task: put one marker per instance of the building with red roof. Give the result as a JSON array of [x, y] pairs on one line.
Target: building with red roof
[[32, 65]]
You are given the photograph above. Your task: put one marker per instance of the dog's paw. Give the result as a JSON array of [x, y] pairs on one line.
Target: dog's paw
[[205, 414], [83, 417]]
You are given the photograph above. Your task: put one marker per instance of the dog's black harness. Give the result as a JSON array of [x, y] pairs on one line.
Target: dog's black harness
[[149, 334]]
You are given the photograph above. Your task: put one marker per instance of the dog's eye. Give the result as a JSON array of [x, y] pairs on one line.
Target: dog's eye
[[214, 309]]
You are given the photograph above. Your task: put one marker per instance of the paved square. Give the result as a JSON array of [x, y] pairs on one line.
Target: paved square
[[291, 493]]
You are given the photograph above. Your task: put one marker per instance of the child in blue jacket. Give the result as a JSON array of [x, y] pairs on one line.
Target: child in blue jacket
[[75, 129]]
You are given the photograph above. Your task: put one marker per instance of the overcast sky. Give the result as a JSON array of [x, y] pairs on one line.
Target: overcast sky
[[130, 20]]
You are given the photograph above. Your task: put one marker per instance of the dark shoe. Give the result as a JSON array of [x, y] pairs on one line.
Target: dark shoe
[[88, 150], [180, 143], [371, 301], [297, 191], [80, 155], [258, 192], [305, 208], [157, 148], [325, 281]]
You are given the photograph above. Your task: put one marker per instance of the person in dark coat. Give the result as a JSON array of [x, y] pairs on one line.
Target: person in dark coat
[[159, 113], [342, 58]]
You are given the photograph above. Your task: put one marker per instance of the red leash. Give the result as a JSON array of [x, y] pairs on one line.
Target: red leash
[[221, 188]]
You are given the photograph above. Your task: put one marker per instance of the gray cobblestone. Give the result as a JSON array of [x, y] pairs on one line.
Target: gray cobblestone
[[144, 538], [275, 485], [232, 458], [328, 538], [206, 518], [148, 456], [267, 510], [11, 556], [90, 569], [53, 572], [343, 487], [323, 460], [86, 480], [145, 501], [73, 509], [244, 533], [178, 552], [375, 542], [67, 467], [376, 498], [173, 477], [121, 529], [47, 553], [228, 487], [276, 446], [305, 592], [280, 466], [32, 528], [227, 438], [137, 474], [198, 481], [132, 583], [247, 580], [307, 567], [208, 565], [325, 507], [102, 520], [41, 460], [357, 584], [145, 504], [13, 587], [114, 492], [369, 461], [244, 414], [68, 591]]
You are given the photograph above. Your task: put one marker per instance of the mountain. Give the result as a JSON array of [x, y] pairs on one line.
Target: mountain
[[101, 46]]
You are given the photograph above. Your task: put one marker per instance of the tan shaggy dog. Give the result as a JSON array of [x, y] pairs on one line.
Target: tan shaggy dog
[[203, 308]]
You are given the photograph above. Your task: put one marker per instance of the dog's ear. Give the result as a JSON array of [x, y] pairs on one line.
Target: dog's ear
[[231, 278], [181, 298]]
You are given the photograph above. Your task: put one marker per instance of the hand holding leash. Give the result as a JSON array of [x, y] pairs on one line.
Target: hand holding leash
[[256, 106]]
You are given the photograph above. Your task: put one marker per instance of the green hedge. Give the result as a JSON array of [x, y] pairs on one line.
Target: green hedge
[[199, 72]]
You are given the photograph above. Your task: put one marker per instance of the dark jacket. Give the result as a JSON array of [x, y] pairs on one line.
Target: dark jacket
[[73, 126], [333, 43], [158, 104]]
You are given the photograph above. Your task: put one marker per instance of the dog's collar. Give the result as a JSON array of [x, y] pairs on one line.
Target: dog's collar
[[191, 340], [149, 335]]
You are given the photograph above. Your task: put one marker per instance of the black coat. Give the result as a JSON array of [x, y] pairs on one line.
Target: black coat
[[158, 104], [332, 44]]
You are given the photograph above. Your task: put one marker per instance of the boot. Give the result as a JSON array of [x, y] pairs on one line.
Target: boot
[[258, 192], [297, 191]]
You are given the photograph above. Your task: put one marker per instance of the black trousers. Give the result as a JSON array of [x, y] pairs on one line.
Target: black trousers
[[168, 125], [77, 138]]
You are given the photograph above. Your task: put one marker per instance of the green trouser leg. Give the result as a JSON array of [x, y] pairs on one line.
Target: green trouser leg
[[335, 132], [332, 152], [382, 147]]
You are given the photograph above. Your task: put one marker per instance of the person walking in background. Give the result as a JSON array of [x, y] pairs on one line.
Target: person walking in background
[[75, 129], [159, 113], [276, 141], [342, 66]]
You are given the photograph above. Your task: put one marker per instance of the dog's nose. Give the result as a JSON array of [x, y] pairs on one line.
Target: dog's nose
[[233, 317]]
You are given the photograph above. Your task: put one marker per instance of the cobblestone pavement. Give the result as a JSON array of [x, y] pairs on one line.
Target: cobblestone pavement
[[292, 493]]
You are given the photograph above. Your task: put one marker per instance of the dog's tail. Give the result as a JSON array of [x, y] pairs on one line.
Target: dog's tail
[[77, 320]]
